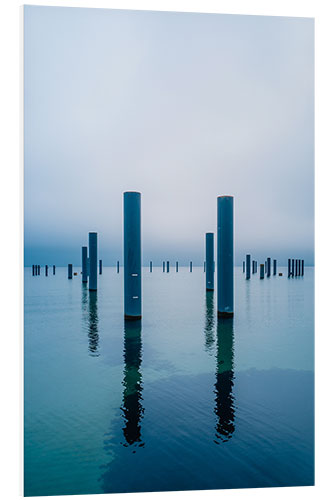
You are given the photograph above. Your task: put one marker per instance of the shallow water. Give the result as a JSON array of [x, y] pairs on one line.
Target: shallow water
[[177, 401]]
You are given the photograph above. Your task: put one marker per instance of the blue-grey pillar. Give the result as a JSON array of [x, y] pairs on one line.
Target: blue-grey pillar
[[302, 267], [38, 270], [274, 267], [177, 266], [132, 255], [33, 270], [248, 266], [117, 266], [253, 266], [163, 266], [46, 270], [70, 271], [293, 267], [204, 266], [289, 268], [225, 256], [168, 266], [151, 266], [100, 266], [54, 268], [190, 266], [209, 261], [92, 262], [262, 271], [268, 267], [84, 265], [265, 266], [243, 266]]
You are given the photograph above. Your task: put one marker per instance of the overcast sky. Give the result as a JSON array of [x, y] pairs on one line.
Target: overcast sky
[[181, 107]]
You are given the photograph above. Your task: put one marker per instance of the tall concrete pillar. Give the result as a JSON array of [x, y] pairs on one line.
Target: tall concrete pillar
[[92, 262], [209, 261], [225, 256]]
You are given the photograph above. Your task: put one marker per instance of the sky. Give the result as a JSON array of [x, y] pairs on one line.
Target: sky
[[181, 107]]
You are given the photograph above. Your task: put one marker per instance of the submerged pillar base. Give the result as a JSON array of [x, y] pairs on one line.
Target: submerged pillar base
[[225, 314], [209, 289], [132, 318]]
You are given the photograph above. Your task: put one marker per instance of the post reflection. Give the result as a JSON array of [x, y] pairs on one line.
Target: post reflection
[[132, 395], [224, 399], [90, 311], [209, 322]]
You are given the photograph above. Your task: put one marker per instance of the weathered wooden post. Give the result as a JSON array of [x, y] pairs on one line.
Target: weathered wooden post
[[248, 266], [209, 261], [92, 262], [225, 256], [132, 255], [70, 271]]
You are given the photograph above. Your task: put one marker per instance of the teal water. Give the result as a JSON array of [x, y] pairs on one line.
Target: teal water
[[178, 401]]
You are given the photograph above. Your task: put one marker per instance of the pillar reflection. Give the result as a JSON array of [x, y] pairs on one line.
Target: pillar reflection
[[224, 399], [93, 336], [209, 322], [132, 395]]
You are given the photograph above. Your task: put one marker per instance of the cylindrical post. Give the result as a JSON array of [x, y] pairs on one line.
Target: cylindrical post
[[225, 256], [100, 266], [117, 266], [248, 266], [151, 266], [46, 270], [177, 266], [265, 266], [92, 262], [54, 268], [262, 271], [70, 271], [209, 261], [302, 267], [268, 267], [253, 266], [289, 268], [163, 266], [84, 264], [38, 268], [132, 255], [243, 266], [204, 266], [190, 266], [274, 267], [293, 267], [168, 266], [33, 270]]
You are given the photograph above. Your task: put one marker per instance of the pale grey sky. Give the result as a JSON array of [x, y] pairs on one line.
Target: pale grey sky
[[182, 107]]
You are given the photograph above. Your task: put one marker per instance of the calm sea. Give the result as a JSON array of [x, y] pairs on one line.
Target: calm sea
[[179, 401]]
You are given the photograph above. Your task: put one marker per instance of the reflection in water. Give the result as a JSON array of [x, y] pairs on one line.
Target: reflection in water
[[210, 322], [90, 315], [132, 396], [224, 399]]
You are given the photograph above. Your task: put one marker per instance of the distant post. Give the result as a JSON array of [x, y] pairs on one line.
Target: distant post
[[204, 266], [84, 264], [38, 270], [253, 266], [92, 262], [177, 266], [117, 266], [302, 267], [293, 267], [248, 266], [262, 271], [151, 266], [54, 267], [168, 266], [163, 266], [46, 270], [70, 271], [289, 268], [274, 267], [243, 266], [268, 267], [100, 266], [132, 255], [209, 261], [190, 266], [225, 256]]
